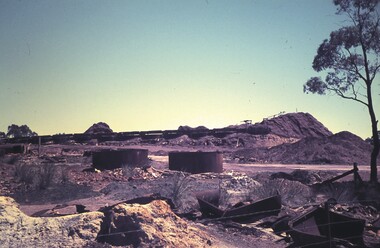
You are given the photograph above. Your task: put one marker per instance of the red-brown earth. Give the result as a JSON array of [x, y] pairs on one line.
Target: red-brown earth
[[251, 172]]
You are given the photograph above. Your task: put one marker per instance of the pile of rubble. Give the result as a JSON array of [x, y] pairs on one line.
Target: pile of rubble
[[144, 222], [20, 230], [99, 128], [122, 224], [340, 148], [147, 225]]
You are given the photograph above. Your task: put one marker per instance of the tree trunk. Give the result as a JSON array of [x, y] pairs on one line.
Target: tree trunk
[[375, 152], [375, 136]]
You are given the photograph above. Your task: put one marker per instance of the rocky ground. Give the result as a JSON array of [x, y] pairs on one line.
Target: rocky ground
[[39, 208], [54, 198], [34, 212]]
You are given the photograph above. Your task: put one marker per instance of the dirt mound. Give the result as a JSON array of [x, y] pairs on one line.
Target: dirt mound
[[187, 128], [99, 127], [341, 148], [150, 225], [233, 140], [20, 230], [296, 125]]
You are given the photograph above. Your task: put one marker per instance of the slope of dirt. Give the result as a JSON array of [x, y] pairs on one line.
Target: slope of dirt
[[20, 230], [128, 225], [99, 127], [287, 128], [341, 148], [296, 125], [188, 128], [154, 225], [234, 140]]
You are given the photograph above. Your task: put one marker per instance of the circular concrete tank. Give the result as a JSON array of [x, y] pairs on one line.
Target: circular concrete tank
[[196, 162], [112, 159]]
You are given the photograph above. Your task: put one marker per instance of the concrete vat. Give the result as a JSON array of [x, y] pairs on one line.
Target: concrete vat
[[196, 162], [112, 159]]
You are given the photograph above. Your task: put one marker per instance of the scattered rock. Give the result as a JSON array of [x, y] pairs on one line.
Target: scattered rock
[[20, 230], [150, 225], [341, 148], [296, 125]]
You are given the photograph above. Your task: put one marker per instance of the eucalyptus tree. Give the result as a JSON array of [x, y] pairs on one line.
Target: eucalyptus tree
[[349, 59], [15, 131]]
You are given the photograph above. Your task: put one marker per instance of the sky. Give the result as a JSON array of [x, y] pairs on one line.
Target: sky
[[157, 64]]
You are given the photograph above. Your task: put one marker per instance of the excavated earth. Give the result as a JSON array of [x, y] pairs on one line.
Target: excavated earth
[[31, 216], [340, 148], [41, 195], [35, 217]]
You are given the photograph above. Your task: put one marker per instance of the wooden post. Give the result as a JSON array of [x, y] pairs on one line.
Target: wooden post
[[39, 146], [357, 179]]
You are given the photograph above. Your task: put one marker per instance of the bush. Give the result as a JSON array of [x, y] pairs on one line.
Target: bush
[[131, 170], [128, 171], [40, 176], [181, 184], [292, 193], [343, 192], [13, 159]]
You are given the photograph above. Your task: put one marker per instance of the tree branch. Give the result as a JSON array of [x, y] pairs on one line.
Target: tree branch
[[375, 72], [341, 94], [353, 91]]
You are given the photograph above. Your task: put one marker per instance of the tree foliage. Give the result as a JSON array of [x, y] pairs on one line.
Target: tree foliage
[[350, 60], [15, 131], [350, 53]]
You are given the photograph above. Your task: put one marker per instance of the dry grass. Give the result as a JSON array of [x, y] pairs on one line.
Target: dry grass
[[225, 196], [40, 176], [293, 193], [13, 159], [180, 188], [343, 192], [129, 170]]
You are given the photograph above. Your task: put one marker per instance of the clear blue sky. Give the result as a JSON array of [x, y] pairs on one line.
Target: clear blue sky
[[158, 64]]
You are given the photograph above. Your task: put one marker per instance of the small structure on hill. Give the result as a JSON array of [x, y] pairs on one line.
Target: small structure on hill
[[112, 159], [196, 162]]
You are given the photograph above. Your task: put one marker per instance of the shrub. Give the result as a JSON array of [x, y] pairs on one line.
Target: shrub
[[343, 192], [181, 184], [128, 170], [40, 176], [293, 193], [13, 159]]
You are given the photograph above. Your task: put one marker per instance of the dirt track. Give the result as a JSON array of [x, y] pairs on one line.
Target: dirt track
[[257, 168], [290, 167]]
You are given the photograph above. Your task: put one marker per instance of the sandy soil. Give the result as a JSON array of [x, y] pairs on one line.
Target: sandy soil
[[98, 189]]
